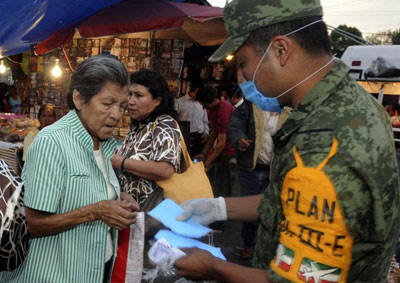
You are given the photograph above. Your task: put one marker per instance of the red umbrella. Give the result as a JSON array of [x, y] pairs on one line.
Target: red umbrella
[[131, 16]]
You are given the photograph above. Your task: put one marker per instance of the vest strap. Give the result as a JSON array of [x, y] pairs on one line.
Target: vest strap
[[297, 157], [332, 152]]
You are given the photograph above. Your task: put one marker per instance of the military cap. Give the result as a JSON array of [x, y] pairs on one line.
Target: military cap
[[244, 16]]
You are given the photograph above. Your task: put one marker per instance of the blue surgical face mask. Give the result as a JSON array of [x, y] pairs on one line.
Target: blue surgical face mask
[[270, 104], [252, 94]]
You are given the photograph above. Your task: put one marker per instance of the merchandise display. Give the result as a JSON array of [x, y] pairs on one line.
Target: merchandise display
[[164, 55], [122, 128], [13, 129]]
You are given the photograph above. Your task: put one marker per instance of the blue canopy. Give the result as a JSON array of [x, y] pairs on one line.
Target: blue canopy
[[25, 22]]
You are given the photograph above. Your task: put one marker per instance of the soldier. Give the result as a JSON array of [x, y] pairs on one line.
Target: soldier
[[331, 212]]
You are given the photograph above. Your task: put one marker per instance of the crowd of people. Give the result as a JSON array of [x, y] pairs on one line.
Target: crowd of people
[[312, 155]]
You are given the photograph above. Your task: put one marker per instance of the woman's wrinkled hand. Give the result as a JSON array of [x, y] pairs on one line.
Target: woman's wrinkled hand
[[116, 214], [125, 197]]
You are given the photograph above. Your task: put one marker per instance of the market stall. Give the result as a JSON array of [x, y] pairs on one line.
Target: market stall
[[142, 34], [165, 19], [24, 23], [13, 129]]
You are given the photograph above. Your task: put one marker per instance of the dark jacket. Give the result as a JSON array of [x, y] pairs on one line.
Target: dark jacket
[[247, 121]]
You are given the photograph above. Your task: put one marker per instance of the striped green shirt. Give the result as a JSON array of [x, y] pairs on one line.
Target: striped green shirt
[[61, 175]]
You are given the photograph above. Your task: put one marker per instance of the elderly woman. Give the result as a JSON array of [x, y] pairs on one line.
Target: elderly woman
[[151, 151], [72, 197], [47, 116]]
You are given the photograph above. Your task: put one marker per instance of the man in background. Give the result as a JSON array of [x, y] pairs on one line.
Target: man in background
[[4, 107], [190, 110], [250, 132], [234, 95], [218, 154]]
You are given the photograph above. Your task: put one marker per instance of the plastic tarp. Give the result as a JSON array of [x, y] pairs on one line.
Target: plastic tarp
[[203, 24], [26, 22], [381, 68]]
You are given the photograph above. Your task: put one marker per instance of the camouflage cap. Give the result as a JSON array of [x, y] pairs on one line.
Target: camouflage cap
[[243, 16]]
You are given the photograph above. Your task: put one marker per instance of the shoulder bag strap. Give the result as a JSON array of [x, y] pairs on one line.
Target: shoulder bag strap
[[186, 156]]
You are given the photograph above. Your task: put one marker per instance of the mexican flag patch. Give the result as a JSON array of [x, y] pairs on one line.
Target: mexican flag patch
[[284, 257], [314, 272]]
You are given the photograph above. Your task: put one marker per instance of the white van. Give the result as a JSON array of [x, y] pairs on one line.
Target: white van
[[360, 57]]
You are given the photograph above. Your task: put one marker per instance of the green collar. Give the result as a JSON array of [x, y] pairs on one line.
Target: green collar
[[83, 136], [318, 94]]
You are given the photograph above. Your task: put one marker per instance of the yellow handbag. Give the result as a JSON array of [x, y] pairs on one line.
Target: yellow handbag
[[191, 184]]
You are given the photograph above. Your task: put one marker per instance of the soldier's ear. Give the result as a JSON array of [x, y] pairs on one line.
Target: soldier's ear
[[282, 47]]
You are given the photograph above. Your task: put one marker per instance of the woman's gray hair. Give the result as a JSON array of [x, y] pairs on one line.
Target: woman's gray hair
[[93, 73]]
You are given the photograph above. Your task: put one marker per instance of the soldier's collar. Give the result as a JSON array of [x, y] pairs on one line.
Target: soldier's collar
[[318, 94]]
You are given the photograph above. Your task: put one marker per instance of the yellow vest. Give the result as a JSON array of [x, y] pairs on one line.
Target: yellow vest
[[314, 243]]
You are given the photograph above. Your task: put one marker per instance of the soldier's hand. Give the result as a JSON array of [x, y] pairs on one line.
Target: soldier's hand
[[195, 265], [204, 210]]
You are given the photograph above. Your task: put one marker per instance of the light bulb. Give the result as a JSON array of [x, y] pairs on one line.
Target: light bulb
[[56, 71], [2, 67], [229, 57]]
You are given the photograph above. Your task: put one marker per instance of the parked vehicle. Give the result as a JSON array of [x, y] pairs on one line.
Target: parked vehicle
[[360, 57], [386, 89]]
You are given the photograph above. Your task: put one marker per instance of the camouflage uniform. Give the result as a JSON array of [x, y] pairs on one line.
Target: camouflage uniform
[[364, 171]]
